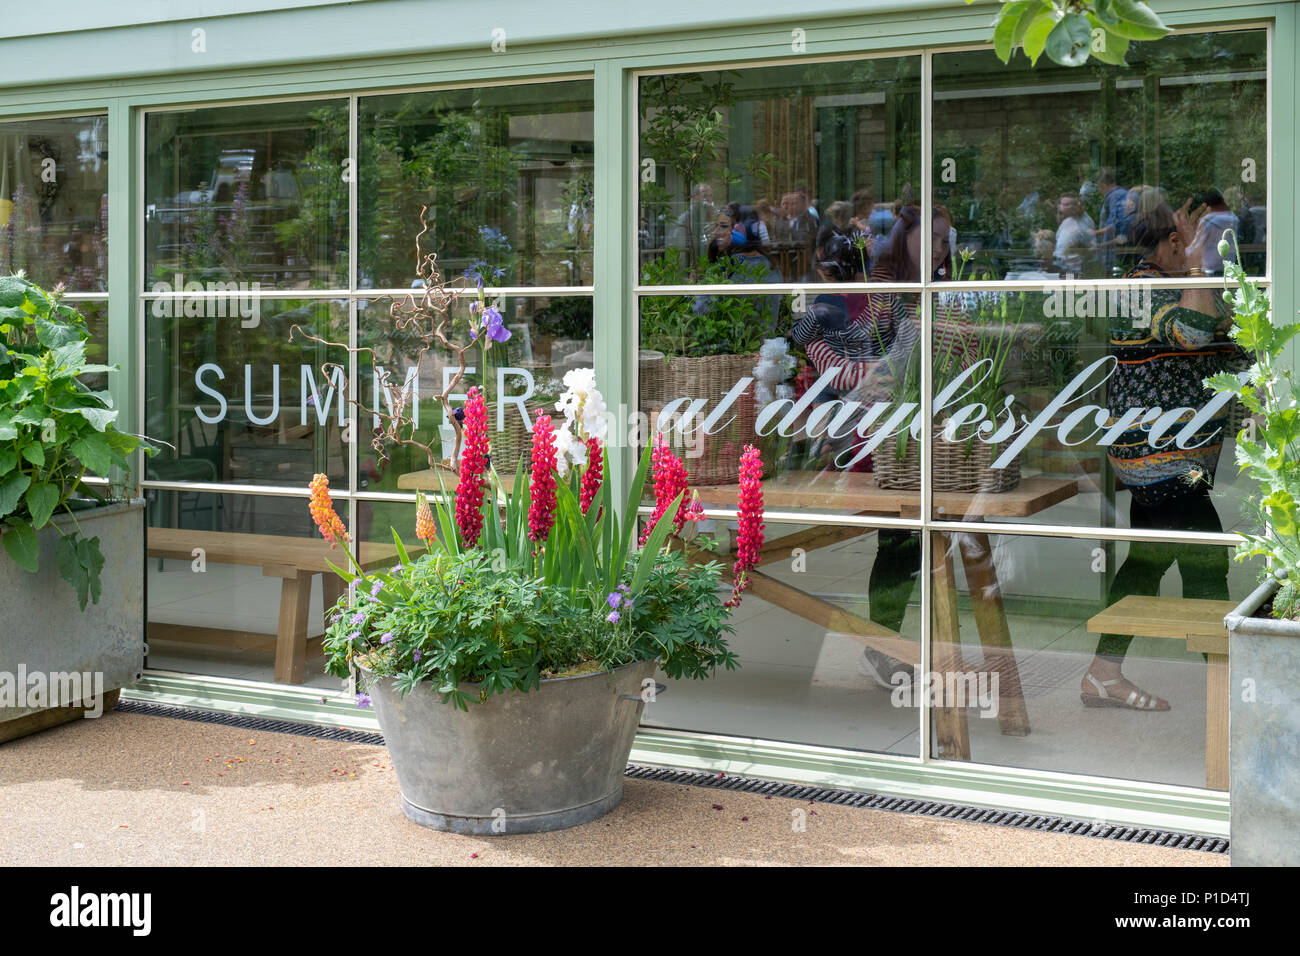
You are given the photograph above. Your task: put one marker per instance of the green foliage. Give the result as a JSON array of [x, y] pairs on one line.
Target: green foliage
[[1270, 392], [683, 325], [505, 613], [1070, 31], [53, 430]]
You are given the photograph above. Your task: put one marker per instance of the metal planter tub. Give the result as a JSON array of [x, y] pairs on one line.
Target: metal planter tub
[[81, 659], [518, 762], [1264, 733]]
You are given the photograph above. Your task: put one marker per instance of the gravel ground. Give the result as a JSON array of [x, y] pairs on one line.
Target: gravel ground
[[130, 790]]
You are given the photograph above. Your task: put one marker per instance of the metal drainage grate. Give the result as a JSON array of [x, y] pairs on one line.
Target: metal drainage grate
[[930, 808], [245, 722], [770, 788]]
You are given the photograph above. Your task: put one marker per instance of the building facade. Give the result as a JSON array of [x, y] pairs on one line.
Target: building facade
[[938, 292]]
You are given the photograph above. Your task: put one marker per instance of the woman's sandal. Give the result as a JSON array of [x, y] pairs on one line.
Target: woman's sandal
[[1134, 701]]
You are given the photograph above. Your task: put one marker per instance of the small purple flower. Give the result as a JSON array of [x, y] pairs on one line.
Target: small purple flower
[[624, 588], [417, 654], [354, 635], [363, 700], [613, 617], [388, 636], [495, 325], [376, 588], [627, 607], [358, 617], [395, 569], [614, 600]]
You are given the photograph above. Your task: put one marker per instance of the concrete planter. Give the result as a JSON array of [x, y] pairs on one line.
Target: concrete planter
[[518, 762], [1264, 734], [44, 631]]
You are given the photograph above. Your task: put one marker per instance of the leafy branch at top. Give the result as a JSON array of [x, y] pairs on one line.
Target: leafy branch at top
[[1071, 31]]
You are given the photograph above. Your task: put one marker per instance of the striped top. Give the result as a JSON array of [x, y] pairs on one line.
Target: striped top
[[1163, 361], [882, 330]]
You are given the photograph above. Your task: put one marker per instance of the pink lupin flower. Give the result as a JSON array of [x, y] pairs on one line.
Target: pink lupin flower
[[592, 474], [541, 509], [473, 466], [749, 541], [671, 479]]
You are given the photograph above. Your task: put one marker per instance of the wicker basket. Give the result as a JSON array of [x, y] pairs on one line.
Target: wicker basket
[[715, 459], [515, 441], [955, 466]]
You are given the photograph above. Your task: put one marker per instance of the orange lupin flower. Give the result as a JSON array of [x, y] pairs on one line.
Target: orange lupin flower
[[424, 527], [331, 525]]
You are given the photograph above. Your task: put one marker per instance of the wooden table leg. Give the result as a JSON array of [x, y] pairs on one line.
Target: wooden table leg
[[291, 636], [331, 589], [951, 732], [991, 620], [1216, 722]]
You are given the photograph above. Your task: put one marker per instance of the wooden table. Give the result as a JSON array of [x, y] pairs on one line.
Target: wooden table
[[294, 560], [1199, 624], [857, 492]]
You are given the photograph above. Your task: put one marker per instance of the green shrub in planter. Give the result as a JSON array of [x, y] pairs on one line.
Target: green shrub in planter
[[54, 431]]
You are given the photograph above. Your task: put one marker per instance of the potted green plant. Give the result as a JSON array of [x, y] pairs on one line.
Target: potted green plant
[[509, 661], [67, 543], [1264, 630]]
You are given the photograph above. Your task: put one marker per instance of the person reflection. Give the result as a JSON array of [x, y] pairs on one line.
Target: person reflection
[[1164, 354], [874, 340]]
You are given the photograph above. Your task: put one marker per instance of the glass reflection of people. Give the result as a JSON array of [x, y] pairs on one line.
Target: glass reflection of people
[[1163, 362], [873, 351], [738, 245], [1074, 234], [1113, 229], [1217, 221], [691, 228]]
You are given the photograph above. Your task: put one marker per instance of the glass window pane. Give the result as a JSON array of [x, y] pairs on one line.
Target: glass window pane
[[219, 612], [1019, 627], [548, 337], [247, 194], [815, 634], [1040, 170], [506, 172], [54, 201], [757, 175], [236, 400], [1085, 406], [822, 391]]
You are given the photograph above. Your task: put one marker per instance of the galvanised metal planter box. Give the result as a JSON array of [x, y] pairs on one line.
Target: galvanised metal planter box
[[518, 762], [1264, 734], [44, 631]]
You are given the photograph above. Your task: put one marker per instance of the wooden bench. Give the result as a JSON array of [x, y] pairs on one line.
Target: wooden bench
[[294, 560], [1199, 624]]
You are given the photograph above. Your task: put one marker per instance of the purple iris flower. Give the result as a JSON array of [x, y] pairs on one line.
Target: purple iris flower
[[495, 325]]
